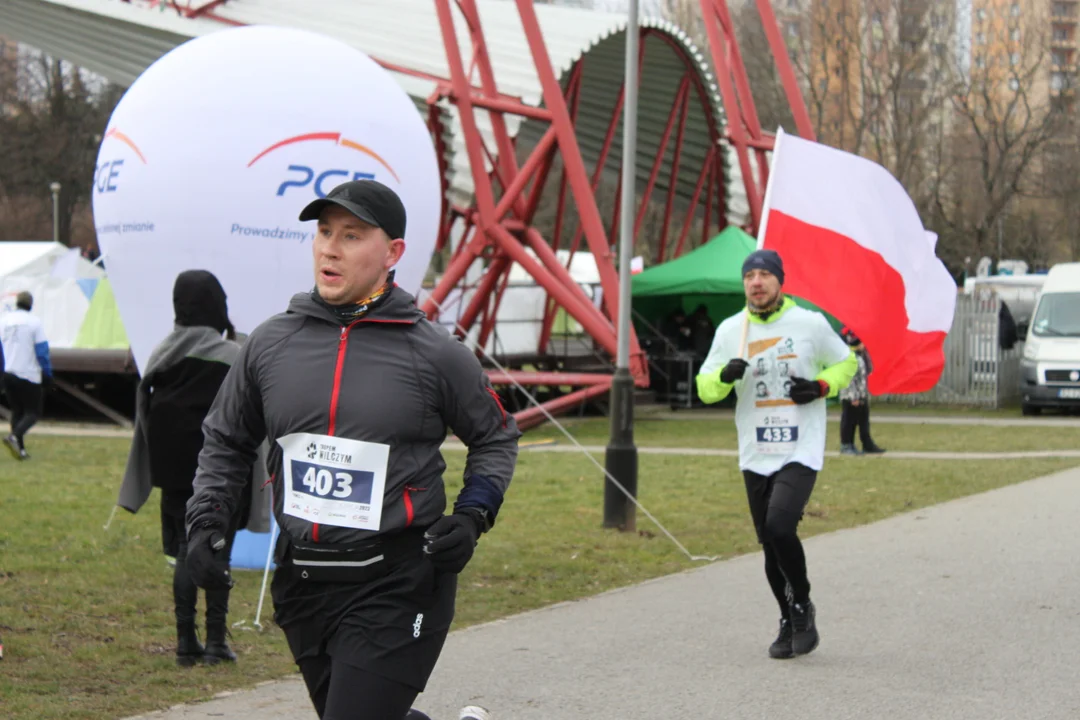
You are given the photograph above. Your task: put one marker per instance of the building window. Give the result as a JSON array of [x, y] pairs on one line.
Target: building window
[[980, 39], [1060, 33], [979, 61], [1014, 34], [981, 14], [1057, 57], [792, 29], [1014, 9], [1014, 84], [1014, 59], [1058, 81]]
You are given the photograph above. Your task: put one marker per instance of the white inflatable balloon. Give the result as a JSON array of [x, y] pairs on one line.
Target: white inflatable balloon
[[214, 150]]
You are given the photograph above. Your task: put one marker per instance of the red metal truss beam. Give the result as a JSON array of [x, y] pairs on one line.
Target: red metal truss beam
[[579, 183], [555, 379], [546, 269], [743, 124], [787, 74], [706, 171], [654, 173], [743, 127], [491, 312], [203, 9], [669, 201], [535, 415]]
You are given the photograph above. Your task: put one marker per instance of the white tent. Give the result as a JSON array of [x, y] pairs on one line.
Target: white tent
[[60, 279], [521, 311]]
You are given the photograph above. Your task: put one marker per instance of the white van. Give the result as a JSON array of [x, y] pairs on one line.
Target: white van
[[1050, 369]]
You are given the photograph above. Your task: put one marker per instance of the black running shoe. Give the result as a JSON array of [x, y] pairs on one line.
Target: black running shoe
[[781, 647], [805, 635]]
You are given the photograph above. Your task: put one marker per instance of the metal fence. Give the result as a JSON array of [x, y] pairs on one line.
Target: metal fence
[[977, 371]]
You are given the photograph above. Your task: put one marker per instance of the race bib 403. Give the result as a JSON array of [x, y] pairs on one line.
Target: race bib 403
[[334, 481]]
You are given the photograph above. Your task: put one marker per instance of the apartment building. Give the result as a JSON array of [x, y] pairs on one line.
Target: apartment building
[[1029, 43], [875, 73]]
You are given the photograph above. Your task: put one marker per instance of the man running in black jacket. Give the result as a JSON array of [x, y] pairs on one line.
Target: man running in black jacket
[[355, 389]]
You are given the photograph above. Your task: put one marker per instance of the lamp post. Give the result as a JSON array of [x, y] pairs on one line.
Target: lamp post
[[55, 187], [621, 459]]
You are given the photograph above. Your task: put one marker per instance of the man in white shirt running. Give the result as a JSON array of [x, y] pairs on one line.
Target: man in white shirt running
[[794, 360], [25, 364]]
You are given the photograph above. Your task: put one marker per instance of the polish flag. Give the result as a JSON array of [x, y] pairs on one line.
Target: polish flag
[[853, 244]]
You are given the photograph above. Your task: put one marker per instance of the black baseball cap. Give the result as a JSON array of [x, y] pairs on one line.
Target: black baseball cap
[[369, 200]]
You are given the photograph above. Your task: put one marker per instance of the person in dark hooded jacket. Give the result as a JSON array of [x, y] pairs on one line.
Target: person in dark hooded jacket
[[176, 392]]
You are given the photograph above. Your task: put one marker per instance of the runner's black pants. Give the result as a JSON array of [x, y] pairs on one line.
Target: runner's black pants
[[25, 399], [777, 503], [340, 691]]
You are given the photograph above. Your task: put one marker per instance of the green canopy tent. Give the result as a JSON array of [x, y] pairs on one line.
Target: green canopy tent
[[710, 275]]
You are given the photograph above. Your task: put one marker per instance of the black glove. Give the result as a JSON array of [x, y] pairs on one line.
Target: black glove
[[805, 391], [451, 540], [207, 561], [733, 371]]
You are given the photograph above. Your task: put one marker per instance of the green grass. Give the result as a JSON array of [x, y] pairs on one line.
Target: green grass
[[902, 408], [86, 614], [720, 434]]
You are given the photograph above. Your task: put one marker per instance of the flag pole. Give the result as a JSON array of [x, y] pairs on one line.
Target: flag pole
[[766, 204], [761, 231]]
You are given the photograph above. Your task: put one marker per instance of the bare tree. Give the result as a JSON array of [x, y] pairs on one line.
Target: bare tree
[[907, 74], [1010, 107], [49, 132], [771, 101]]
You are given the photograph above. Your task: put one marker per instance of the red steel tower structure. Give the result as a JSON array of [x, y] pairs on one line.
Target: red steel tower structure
[[496, 228]]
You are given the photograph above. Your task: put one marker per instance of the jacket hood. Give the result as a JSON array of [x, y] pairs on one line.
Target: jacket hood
[[399, 307], [199, 301]]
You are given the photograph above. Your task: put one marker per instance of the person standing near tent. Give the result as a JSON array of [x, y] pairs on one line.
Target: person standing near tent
[[855, 400], [26, 366], [781, 433], [178, 387], [355, 390]]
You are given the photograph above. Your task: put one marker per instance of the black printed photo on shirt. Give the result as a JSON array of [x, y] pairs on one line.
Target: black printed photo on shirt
[[774, 362]]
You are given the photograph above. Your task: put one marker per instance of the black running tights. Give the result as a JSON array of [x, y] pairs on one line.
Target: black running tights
[[341, 691], [777, 503]]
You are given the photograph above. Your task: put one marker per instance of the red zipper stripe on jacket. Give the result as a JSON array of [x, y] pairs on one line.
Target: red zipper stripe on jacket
[[498, 402], [335, 393], [343, 343], [408, 507]]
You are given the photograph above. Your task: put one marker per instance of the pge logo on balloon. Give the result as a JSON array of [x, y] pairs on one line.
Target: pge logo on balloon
[[107, 173], [321, 178]]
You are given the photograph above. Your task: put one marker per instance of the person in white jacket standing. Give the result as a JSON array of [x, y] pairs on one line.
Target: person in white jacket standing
[[26, 366], [793, 361]]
